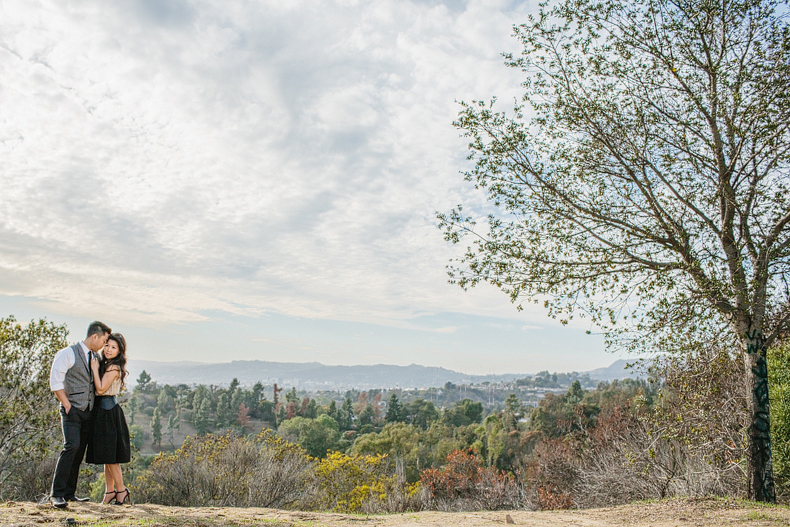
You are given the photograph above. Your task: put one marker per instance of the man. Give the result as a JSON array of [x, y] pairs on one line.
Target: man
[[72, 382]]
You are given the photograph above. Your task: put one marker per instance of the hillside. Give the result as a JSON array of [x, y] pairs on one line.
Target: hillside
[[314, 375], [693, 512]]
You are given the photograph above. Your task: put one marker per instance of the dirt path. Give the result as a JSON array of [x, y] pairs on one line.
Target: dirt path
[[670, 513]]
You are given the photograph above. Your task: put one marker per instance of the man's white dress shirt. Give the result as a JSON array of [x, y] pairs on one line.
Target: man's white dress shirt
[[64, 359]]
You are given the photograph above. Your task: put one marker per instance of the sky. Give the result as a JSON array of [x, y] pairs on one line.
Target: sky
[[240, 180]]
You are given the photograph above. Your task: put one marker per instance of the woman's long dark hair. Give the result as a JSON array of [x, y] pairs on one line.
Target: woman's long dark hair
[[119, 360]]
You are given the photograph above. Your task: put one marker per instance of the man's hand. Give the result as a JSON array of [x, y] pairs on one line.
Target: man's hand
[[64, 400]]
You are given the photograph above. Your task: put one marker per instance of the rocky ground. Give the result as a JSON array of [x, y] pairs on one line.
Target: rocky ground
[[676, 512]]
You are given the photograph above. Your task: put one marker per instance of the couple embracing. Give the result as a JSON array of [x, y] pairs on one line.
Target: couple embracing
[[87, 385]]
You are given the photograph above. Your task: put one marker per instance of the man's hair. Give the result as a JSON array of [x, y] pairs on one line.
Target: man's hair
[[98, 328]]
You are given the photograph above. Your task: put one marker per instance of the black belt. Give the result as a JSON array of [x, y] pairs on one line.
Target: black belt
[[106, 402]]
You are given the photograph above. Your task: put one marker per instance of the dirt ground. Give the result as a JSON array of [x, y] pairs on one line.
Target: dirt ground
[[674, 513]]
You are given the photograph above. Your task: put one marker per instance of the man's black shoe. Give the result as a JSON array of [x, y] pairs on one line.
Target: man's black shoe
[[58, 501], [79, 500]]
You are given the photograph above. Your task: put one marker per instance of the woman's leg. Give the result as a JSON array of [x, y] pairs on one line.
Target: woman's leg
[[109, 484], [123, 492], [118, 477]]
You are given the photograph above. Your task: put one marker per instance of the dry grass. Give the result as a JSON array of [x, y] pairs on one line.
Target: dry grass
[[676, 512]]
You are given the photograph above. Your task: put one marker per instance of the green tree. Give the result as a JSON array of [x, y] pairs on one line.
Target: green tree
[[400, 442], [172, 424], [236, 400], [316, 436], [201, 415], [291, 396], [346, 415], [133, 406], [367, 416], [512, 412], [143, 381], [650, 188], [257, 397], [311, 409], [164, 400], [28, 411], [422, 413], [223, 414], [464, 413], [136, 435], [156, 427], [266, 409], [396, 413]]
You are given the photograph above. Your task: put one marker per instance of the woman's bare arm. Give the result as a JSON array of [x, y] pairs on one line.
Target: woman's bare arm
[[103, 383]]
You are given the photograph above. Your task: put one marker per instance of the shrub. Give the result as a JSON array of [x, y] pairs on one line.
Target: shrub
[[779, 387], [464, 484], [28, 410], [228, 470], [360, 483], [691, 443]]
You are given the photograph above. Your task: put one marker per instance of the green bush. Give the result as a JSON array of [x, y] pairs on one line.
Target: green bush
[[28, 411], [779, 389]]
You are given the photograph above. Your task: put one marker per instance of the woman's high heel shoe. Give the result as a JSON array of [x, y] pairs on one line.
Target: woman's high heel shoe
[[127, 497], [115, 492]]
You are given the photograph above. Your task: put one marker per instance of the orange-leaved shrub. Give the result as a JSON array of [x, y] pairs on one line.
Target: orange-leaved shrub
[[464, 484]]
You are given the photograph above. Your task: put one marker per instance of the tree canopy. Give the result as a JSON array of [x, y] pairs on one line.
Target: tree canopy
[[643, 180]]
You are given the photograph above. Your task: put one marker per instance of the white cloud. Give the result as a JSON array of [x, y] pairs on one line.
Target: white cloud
[[183, 157]]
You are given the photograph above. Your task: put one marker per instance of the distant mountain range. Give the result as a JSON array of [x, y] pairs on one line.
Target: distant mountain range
[[317, 376]]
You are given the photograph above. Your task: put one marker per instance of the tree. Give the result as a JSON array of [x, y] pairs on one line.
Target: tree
[[650, 190], [223, 414], [399, 441], [143, 380], [156, 427], [28, 411], [291, 396], [172, 424], [257, 397], [422, 413], [316, 436], [367, 415], [133, 405], [243, 416], [346, 415], [164, 400], [201, 413], [463, 413], [237, 399], [395, 411]]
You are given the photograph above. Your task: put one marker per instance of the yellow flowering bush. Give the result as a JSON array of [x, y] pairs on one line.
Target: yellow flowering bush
[[361, 483]]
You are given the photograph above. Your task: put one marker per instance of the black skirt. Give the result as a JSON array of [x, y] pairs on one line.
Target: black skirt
[[110, 441]]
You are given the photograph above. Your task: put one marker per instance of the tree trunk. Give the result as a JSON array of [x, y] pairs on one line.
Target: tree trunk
[[760, 471]]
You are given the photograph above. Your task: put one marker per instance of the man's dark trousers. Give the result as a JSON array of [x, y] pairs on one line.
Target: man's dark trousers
[[77, 427]]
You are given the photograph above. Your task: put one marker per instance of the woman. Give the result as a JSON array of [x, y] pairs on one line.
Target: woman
[[110, 444]]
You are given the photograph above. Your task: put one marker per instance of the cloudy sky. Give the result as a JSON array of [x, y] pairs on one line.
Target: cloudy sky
[[228, 180]]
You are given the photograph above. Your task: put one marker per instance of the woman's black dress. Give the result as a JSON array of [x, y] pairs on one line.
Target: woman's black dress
[[110, 441]]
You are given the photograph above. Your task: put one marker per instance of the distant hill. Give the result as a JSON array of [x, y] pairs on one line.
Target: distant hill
[[316, 376], [618, 370]]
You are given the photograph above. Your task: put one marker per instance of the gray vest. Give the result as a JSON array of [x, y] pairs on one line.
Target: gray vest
[[79, 381]]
